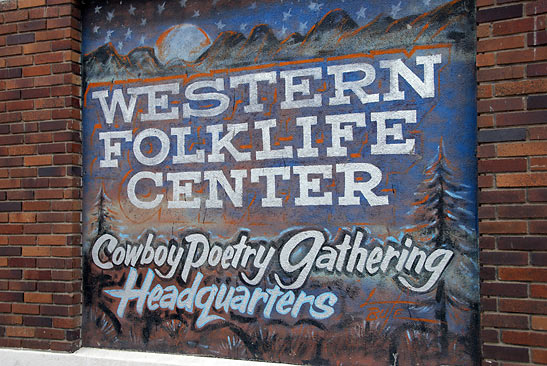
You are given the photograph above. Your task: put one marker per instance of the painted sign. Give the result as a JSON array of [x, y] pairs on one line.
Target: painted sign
[[287, 181]]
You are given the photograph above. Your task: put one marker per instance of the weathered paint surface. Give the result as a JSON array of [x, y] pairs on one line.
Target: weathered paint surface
[[283, 181]]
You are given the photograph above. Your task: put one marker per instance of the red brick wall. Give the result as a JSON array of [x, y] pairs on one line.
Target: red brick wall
[[40, 184], [512, 151], [40, 174]]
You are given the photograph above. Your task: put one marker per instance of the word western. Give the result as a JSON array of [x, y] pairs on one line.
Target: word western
[[297, 90], [291, 259]]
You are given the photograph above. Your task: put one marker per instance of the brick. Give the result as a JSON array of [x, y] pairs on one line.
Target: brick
[[20, 331], [502, 196], [500, 73], [523, 306], [536, 70], [486, 151], [513, 26], [536, 7], [499, 13], [538, 227], [485, 91], [517, 354], [37, 70], [19, 105], [15, 16], [35, 297], [537, 194], [21, 38], [521, 87], [521, 180], [38, 160], [514, 57], [521, 118], [8, 28], [36, 251], [488, 59], [538, 164], [501, 43], [538, 38], [499, 258], [37, 47], [11, 319], [536, 101], [22, 217], [501, 135], [18, 61], [30, 26], [485, 181], [504, 289], [522, 149], [500, 105], [538, 290], [534, 339], [31, 3], [502, 165], [527, 211], [10, 73], [37, 13], [539, 356], [10, 95], [539, 322], [35, 93], [11, 296], [503, 227], [523, 274], [10, 206]]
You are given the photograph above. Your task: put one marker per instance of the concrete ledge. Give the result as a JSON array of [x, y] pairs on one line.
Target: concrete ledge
[[106, 357]]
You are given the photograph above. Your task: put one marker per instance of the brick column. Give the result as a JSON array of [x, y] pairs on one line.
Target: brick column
[[40, 174], [512, 151]]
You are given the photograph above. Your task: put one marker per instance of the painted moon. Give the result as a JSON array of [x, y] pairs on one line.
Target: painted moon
[[181, 42]]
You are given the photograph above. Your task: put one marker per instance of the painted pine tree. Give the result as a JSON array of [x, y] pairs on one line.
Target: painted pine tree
[[103, 215], [444, 219]]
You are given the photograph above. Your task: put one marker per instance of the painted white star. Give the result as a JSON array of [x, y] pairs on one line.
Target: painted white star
[[98, 9], [96, 29], [361, 13], [143, 21], [253, 5], [196, 14], [128, 34], [395, 9], [243, 27], [287, 15], [220, 25], [315, 6], [161, 8], [142, 41], [283, 31], [302, 27], [110, 15], [120, 45], [108, 35], [132, 9], [182, 3]]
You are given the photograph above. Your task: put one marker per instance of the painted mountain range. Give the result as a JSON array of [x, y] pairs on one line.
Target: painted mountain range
[[335, 34]]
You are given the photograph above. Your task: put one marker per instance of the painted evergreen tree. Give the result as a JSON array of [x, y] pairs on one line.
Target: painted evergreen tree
[[444, 220], [104, 217]]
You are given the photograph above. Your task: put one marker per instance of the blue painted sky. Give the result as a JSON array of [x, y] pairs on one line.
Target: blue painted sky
[[129, 24]]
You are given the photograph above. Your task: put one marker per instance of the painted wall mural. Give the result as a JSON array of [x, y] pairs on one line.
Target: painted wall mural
[[287, 181]]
